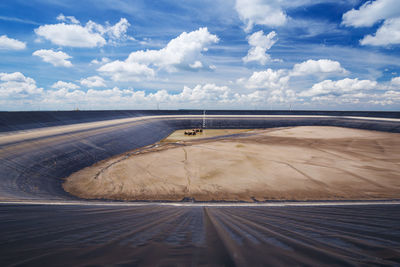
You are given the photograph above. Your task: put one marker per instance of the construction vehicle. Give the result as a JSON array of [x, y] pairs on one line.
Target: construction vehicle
[[193, 131]]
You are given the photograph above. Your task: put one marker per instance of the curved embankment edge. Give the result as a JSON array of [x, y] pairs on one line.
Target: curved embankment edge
[[33, 163]]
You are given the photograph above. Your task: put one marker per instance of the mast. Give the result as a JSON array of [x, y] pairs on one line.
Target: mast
[[204, 119]]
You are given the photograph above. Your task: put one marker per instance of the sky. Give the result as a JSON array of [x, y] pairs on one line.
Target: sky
[[208, 54]]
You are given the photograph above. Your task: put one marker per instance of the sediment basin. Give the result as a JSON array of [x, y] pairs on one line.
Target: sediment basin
[[41, 224], [295, 163], [35, 162]]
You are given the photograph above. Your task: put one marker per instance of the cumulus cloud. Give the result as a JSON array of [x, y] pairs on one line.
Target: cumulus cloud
[[16, 85], [340, 87], [282, 96], [93, 81], [266, 80], [373, 12], [207, 92], [15, 89], [71, 33], [66, 85], [11, 44], [196, 65], [70, 19], [103, 60], [127, 71], [260, 43], [321, 66], [199, 94], [387, 34], [57, 59], [118, 31], [183, 52], [392, 96], [277, 81], [260, 12], [395, 82]]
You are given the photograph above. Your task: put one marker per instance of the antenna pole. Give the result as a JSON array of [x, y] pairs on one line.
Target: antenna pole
[[204, 119]]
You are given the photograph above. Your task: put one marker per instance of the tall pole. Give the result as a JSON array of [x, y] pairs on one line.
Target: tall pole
[[204, 119]]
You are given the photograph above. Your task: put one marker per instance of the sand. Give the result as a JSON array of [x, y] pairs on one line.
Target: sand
[[295, 163], [180, 136]]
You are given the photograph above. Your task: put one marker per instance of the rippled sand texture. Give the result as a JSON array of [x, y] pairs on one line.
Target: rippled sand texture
[[298, 163]]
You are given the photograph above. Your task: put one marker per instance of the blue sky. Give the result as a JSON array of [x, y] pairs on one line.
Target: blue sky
[[220, 54]]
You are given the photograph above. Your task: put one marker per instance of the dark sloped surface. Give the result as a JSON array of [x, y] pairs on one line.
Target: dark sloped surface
[[23, 120], [199, 236], [154, 235], [35, 168]]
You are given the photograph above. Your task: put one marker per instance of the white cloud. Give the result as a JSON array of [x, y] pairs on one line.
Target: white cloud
[[127, 71], [277, 82], [371, 12], [199, 95], [16, 89], [267, 80], [119, 30], [282, 96], [392, 95], [114, 33], [70, 35], [260, 43], [58, 59], [183, 52], [381, 102], [321, 66], [387, 34], [196, 65], [71, 19], [395, 82], [66, 85], [340, 87], [90, 35], [260, 12], [11, 44], [206, 92], [16, 85], [93, 81], [103, 60], [251, 98], [278, 79]]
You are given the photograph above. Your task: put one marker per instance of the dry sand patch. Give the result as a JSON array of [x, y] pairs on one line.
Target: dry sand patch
[[296, 163]]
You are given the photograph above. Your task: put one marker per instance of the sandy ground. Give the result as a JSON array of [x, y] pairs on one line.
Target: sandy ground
[[180, 136], [297, 163]]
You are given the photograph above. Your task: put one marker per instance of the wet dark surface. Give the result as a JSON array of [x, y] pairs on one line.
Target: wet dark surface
[[195, 236]]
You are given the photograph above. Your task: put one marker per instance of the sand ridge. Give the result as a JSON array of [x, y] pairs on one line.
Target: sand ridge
[[294, 163]]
